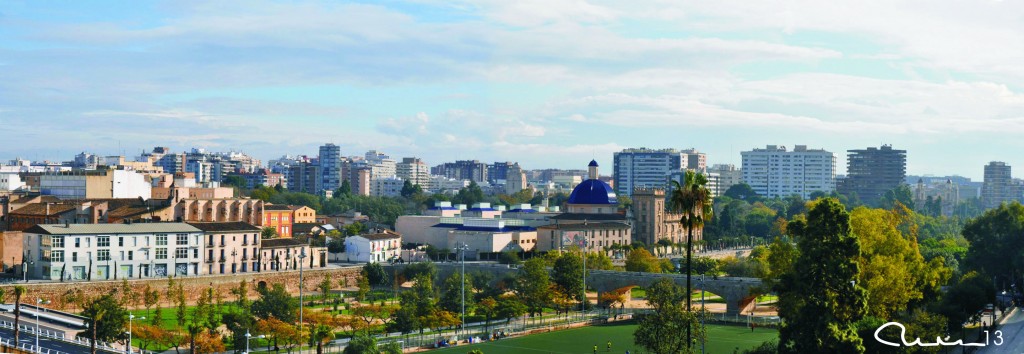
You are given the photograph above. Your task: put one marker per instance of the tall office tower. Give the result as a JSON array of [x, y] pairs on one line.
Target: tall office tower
[[998, 186], [645, 168], [330, 168], [775, 172], [472, 170], [873, 171]]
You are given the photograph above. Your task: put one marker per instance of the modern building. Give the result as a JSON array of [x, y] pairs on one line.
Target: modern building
[[330, 168], [10, 181], [373, 248], [387, 186], [413, 170], [998, 186], [645, 168], [381, 165], [873, 171], [498, 172], [112, 251], [230, 247], [727, 175], [263, 177], [305, 177], [695, 160], [106, 183], [775, 172], [472, 170]]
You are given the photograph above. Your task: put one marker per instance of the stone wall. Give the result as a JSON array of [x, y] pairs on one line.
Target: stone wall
[[193, 286]]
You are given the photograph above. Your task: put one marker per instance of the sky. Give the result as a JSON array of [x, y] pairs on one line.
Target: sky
[[550, 84]]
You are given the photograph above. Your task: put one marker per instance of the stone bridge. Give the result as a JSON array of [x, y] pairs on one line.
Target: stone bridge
[[738, 293]]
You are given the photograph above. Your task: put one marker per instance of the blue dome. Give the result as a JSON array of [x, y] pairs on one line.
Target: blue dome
[[593, 191], [593, 163]]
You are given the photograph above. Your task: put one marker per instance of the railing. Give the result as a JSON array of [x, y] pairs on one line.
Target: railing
[[54, 335]]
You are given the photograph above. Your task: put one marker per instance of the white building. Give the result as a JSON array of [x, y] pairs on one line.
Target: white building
[[95, 184], [727, 176], [373, 248], [414, 170], [646, 168], [386, 186], [112, 251], [381, 165], [776, 172], [10, 181], [441, 184]]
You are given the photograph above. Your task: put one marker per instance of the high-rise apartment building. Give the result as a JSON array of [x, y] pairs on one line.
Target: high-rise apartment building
[[305, 177], [330, 168], [645, 168], [472, 170], [498, 171], [776, 172], [873, 171], [726, 176], [998, 186], [414, 170], [381, 165], [515, 179], [695, 160]]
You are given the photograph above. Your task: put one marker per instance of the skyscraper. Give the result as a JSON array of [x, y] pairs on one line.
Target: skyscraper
[[775, 172], [998, 186], [330, 167], [645, 168], [873, 171]]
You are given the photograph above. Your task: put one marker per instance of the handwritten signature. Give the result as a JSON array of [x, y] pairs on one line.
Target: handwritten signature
[[938, 340]]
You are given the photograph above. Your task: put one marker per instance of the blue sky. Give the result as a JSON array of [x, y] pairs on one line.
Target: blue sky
[[545, 83]]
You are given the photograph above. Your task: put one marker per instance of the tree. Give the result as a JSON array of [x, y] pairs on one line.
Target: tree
[[694, 201], [268, 232], [532, 285], [902, 195], [105, 318], [965, 300], [510, 307], [19, 291], [375, 274], [321, 334], [150, 297], [742, 191], [179, 301], [488, 307], [275, 303], [599, 261], [344, 190], [235, 180], [394, 348], [452, 296], [362, 343], [363, 284], [149, 335], [996, 245], [568, 274], [325, 288], [659, 330], [336, 245], [275, 330], [410, 190], [509, 257], [820, 292], [639, 260]]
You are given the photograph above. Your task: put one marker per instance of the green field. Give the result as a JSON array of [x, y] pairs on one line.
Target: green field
[[721, 340]]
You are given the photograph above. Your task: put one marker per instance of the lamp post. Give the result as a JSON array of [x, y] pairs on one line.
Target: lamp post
[[301, 256], [130, 318], [233, 264], [703, 338], [248, 337], [38, 303], [462, 248]]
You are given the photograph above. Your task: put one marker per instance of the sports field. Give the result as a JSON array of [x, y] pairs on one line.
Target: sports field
[[721, 340]]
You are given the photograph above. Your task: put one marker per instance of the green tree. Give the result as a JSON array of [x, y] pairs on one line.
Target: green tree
[[268, 232], [965, 300], [599, 261], [275, 303], [532, 283], [509, 257], [659, 331], [695, 203], [819, 300], [902, 195], [451, 293], [325, 288], [996, 245], [375, 274], [639, 260], [179, 303], [336, 245], [344, 190], [235, 181], [361, 343], [510, 307], [742, 191], [105, 317], [410, 190], [363, 285], [568, 274]]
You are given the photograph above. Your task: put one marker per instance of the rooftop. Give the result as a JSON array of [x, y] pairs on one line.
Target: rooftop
[[589, 226], [282, 242], [93, 229], [41, 209], [381, 236], [225, 226], [584, 216]]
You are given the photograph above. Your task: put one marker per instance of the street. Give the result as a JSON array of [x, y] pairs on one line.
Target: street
[[46, 343], [1012, 333]]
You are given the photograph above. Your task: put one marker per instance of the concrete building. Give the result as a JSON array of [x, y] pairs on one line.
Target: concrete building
[[387, 186], [776, 172], [515, 179], [695, 160], [726, 175], [472, 170], [218, 210], [592, 221], [873, 171], [305, 177], [413, 170], [286, 254], [373, 248], [230, 247], [445, 185], [330, 169], [10, 181], [645, 168], [263, 178], [107, 183], [381, 165], [112, 251], [497, 172], [998, 185]]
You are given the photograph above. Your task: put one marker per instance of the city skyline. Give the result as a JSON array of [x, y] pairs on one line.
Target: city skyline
[[549, 86]]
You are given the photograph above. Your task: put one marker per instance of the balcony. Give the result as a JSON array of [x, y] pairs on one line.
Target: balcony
[[209, 260], [222, 259], [245, 243], [245, 258]]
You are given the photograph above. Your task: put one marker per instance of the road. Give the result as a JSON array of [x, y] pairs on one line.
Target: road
[[1013, 336], [46, 343]]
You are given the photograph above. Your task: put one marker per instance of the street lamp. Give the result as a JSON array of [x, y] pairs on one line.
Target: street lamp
[[24, 270], [702, 314], [301, 256], [463, 248], [249, 336], [130, 318], [233, 264], [38, 303]]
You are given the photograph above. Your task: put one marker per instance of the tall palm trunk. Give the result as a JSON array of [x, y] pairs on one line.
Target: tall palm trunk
[[19, 291], [689, 289]]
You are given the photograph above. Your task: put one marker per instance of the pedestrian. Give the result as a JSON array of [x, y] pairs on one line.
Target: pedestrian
[[595, 348], [609, 346], [752, 324]]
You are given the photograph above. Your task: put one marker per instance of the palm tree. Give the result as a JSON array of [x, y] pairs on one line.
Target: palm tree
[[19, 291], [666, 246], [694, 201]]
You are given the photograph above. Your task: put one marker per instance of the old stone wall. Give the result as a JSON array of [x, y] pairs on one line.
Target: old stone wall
[[57, 293]]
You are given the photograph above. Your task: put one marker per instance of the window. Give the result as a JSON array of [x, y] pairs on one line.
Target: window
[[58, 241], [103, 255], [103, 241], [130, 255], [181, 253], [161, 240], [120, 241], [74, 256], [195, 253], [57, 256], [161, 253], [222, 240], [78, 242], [182, 239]]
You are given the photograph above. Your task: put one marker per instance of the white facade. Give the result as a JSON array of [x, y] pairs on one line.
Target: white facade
[[776, 172], [386, 187], [10, 181], [441, 184], [373, 248], [381, 165], [728, 175], [414, 170], [129, 184], [645, 168], [113, 251]]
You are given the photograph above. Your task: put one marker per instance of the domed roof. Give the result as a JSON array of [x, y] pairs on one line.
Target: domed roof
[[593, 191], [593, 163]]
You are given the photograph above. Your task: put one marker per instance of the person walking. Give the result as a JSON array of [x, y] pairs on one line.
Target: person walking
[[609, 346], [595, 348]]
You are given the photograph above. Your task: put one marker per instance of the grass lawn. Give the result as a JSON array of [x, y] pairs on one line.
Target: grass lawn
[[721, 340]]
